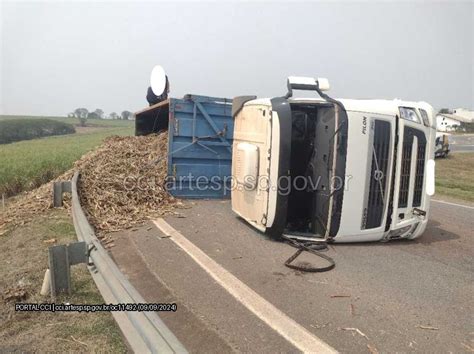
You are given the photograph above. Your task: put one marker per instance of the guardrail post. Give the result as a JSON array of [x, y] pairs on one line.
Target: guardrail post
[[61, 258], [58, 189]]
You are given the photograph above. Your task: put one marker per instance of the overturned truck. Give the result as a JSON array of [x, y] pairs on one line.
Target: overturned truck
[[336, 170], [320, 168]]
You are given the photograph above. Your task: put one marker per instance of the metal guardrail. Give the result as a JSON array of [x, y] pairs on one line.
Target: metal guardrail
[[145, 332]]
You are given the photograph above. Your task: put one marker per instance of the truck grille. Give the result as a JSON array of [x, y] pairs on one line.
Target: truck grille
[[409, 133], [405, 174], [378, 174], [420, 171]]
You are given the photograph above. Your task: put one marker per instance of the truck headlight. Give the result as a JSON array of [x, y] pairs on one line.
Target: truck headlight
[[409, 114]]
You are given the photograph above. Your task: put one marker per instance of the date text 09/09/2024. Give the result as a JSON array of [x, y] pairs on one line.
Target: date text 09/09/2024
[[53, 307]]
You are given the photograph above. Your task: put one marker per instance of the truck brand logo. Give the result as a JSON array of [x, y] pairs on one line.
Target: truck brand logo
[[364, 125]]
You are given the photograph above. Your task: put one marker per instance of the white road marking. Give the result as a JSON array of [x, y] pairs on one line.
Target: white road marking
[[458, 205], [293, 332]]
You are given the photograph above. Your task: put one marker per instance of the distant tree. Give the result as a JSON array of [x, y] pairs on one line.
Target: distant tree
[[99, 113], [445, 111], [71, 115], [126, 115], [93, 115], [81, 114], [113, 115]]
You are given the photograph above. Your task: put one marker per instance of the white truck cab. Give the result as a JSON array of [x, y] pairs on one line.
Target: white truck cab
[[333, 169]]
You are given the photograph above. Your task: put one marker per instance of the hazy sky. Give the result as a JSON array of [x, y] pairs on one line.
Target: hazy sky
[[58, 56]]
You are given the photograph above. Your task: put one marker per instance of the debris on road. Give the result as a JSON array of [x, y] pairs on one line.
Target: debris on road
[[123, 182], [335, 296], [357, 330], [428, 327], [372, 349], [468, 347], [106, 242], [319, 326]]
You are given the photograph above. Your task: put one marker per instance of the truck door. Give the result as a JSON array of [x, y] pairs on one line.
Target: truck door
[[261, 150]]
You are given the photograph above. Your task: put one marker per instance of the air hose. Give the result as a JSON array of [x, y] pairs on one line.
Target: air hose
[[314, 247]]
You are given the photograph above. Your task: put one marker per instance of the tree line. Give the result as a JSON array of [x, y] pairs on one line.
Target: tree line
[[12, 130], [83, 115]]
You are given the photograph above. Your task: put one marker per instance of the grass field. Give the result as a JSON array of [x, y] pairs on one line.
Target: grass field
[[25, 165], [454, 176]]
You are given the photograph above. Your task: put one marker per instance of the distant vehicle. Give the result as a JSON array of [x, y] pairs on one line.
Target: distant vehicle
[[368, 165], [442, 145]]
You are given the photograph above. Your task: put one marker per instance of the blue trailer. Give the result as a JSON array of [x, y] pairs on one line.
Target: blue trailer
[[200, 132]]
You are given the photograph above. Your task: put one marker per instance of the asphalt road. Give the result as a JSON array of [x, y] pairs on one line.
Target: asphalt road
[[461, 143], [404, 296]]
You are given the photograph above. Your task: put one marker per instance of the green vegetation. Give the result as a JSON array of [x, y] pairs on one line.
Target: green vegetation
[[75, 121], [25, 165], [454, 176], [12, 130], [27, 250]]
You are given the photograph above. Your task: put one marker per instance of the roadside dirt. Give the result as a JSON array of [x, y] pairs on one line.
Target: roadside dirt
[[24, 261]]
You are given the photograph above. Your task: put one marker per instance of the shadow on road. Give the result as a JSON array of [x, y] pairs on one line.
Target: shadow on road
[[435, 233]]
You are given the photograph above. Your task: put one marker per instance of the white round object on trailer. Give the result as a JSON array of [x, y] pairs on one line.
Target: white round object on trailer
[[158, 80]]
